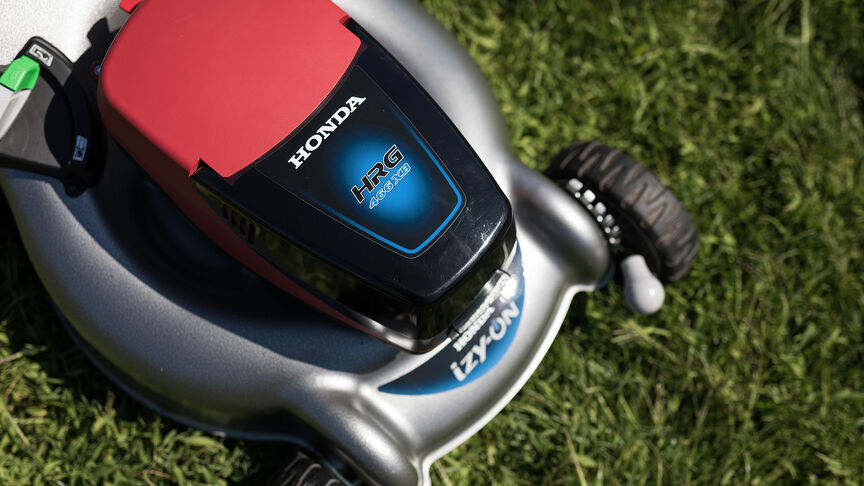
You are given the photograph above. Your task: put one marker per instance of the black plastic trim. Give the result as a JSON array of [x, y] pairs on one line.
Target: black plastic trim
[[417, 297]]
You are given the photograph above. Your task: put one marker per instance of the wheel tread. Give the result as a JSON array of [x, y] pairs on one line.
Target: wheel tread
[[303, 470], [666, 235]]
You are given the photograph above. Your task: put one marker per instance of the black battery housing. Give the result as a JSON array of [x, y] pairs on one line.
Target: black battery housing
[[377, 204]]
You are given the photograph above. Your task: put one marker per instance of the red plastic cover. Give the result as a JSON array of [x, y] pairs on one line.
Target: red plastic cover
[[193, 79], [129, 5]]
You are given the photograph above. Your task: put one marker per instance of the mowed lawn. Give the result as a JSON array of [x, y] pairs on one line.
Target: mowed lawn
[[752, 373]]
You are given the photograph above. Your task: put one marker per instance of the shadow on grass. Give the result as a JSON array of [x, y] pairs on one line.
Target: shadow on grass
[[576, 319], [35, 332]]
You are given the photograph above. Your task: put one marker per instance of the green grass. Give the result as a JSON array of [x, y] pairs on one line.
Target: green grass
[[752, 372]]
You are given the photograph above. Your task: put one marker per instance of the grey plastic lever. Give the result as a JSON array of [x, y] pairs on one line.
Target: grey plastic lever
[[11, 103]]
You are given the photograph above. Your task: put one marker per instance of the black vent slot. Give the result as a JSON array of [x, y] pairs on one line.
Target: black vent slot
[[240, 223]]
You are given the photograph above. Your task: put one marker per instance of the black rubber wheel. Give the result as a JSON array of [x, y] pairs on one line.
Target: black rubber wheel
[[303, 470], [652, 221]]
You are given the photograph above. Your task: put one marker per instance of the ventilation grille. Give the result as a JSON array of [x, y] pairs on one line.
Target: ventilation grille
[[239, 222]]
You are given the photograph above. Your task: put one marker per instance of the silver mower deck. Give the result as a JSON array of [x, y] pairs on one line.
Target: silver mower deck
[[190, 332]]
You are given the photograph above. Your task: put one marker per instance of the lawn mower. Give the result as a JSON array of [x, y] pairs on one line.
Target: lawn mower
[[301, 221]]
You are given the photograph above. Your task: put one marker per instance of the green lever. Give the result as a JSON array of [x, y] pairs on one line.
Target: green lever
[[21, 74]]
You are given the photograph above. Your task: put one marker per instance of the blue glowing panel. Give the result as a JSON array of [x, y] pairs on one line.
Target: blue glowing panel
[[360, 161]]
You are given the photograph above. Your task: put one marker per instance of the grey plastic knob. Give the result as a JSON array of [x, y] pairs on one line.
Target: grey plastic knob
[[643, 292]]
